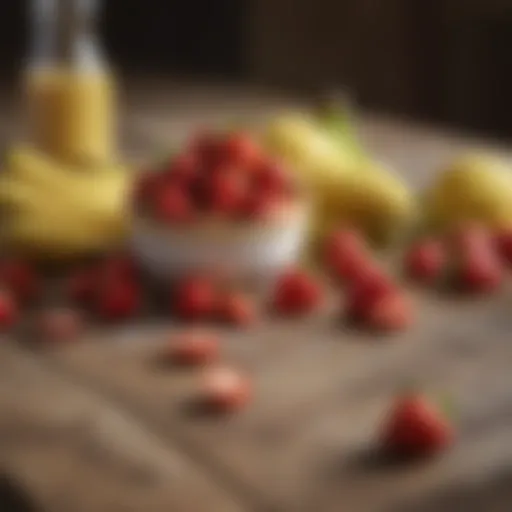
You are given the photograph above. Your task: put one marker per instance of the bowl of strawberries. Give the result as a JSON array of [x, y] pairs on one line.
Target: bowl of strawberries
[[221, 203]]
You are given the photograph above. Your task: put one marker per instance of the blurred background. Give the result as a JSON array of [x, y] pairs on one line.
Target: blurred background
[[438, 60]]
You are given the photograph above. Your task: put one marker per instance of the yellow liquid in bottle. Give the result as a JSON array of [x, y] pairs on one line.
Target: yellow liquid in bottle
[[72, 114]]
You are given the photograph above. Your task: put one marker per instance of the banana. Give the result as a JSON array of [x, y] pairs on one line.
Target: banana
[[56, 211]]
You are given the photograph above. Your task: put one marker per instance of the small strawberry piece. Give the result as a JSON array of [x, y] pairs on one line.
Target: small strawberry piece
[[346, 254], [195, 299], [145, 188], [480, 272], [415, 428], [194, 348], [205, 148], [20, 278], [228, 190], [225, 390], [8, 310], [272, 177], [470, 237], [503, 245], [241, 150], [117, 267], [172, 205], [261, 206], [183, 169], [119, 300], [425, 261], [296, 293], [81, 285], [364, 293], [237, 309], [60, 325], [390, 313]]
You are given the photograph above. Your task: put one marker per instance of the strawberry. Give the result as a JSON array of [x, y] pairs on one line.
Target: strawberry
[[237, 309], [425, 261], [416, 428], [469, 237], [60, 325], [225, 390], [390, 313], [118, 300], [145, 188], [183, 169], [240, 150], [205, 148], [81, 285], [296, 293], [8, 310], [195, 299], [172, 205], [480, 272], [20, 278], [261, 206], [228, 191], [194, 348], [272, 177], [346, 254], [365, 293], [117, 267], [503, 245]]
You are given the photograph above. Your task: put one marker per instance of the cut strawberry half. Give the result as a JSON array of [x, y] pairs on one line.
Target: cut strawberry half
[[225, 390]]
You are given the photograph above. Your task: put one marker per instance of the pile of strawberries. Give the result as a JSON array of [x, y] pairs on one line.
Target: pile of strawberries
[[226, 175], [471, 259]]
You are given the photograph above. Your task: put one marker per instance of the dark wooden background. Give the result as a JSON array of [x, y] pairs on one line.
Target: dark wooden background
[[441, 60]]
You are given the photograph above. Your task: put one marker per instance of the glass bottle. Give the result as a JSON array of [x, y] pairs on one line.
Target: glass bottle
[[70, 90]]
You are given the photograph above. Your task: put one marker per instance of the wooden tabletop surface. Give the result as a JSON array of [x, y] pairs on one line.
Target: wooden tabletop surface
[[98, 427]]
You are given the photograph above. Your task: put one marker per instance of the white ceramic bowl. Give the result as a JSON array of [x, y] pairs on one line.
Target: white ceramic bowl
[[243, 249]]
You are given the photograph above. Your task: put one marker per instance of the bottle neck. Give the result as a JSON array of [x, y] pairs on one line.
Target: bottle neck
[[64, 33]]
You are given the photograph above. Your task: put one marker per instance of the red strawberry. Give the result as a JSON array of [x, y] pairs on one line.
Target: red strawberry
[[346, 254], [469, 237], [145, 188], [296, 292], [237, 309], [391, 313], [8, 310], [172, 205], [119, 300], [20, 278], [225, 390], [81, 285], [480, 272], [195, 299], [117, 267], [205, 148], [272, 177], [60, 325], [363, 294], [503, 244], [241, 150], [194, 348], [183, 168], [261, 206], [426, 260], [228, 191], [415, 428]]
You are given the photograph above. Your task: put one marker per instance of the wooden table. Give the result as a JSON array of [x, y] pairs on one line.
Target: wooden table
[[98, 426]]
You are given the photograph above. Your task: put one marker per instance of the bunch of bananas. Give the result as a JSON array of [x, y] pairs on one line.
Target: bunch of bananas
[[53, 211], [347, 185]]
